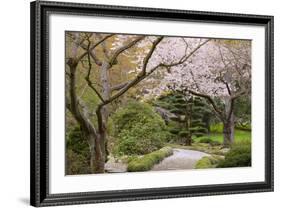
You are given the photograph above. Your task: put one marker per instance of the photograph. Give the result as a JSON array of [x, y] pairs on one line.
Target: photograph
[[136, 103]]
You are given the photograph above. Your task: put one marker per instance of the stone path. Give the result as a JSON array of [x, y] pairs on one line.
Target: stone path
[[181, 159]]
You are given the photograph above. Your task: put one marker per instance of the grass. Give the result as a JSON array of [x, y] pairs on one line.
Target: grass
[[146, 162], [213, 144], [239, 135]]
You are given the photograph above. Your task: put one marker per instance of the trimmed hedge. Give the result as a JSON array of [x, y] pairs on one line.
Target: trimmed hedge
[[146, 162], [208, 162]]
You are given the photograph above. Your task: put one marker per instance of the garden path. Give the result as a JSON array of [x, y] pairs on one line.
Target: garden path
[[181, 159]]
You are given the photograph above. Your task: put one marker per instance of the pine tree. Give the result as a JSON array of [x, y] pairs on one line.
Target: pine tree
[[190, 114]]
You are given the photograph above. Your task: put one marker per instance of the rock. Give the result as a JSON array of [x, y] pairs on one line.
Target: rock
[[165, 114]]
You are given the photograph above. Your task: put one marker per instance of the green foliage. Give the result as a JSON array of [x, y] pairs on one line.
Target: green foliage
[[243, 126], [242, 111], [77, 153], [146, 162], [208, 162], [238, 156], [216, 128], [139, 129], [189, 115], [184, 133], [209, 141]]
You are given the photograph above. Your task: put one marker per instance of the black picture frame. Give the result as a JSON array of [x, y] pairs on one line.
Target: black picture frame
[[39, 187]]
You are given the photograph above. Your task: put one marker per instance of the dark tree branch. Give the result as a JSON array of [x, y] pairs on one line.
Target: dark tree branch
[[148, 56], [211, 101], [104, 49], [95, 58], [118, 86], [130, 84], [87, 78], [185, 57], [93, 55], [238, 94], [120, 50], [141, 75], [94, 46], [225, 66]]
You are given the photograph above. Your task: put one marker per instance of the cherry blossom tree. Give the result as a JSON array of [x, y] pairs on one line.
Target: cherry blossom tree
[[219, 72]]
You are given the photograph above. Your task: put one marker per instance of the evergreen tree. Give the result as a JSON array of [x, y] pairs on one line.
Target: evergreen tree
[[190, 112]]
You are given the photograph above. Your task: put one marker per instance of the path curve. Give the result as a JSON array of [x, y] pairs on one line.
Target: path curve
[[181, 159]]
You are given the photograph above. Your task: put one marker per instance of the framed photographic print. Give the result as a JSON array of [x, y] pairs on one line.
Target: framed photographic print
[[132, 103]]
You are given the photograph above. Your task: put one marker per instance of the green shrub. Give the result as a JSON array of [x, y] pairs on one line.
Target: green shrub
[[209, 141], [184, 133], [215, 143], [77, 153], [216, 128], [238, 156], [139, 130], [243, 126], [146, 162], [207, 162], [205, 140], [76, 163]]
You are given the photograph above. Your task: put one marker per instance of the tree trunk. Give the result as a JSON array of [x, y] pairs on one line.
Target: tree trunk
[[228, 131], [95, 140], [188, 141], [104, 111], [99, 157], [228, 123]]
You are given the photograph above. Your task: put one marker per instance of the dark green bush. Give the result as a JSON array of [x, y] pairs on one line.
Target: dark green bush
[[209, 141], [76, 163], [77, 153], [139, 130], [205, 140], [238, 156], [184, 133], [146, 162]]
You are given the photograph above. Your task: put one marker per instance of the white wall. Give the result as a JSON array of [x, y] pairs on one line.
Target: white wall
[[14, 104]]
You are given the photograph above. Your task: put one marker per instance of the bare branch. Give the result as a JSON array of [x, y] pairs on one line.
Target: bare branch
[[148, 56], [238, 94], [186, 57], [87, 78], [130, 84], [118, 87], [123, 48], [94, 46]]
